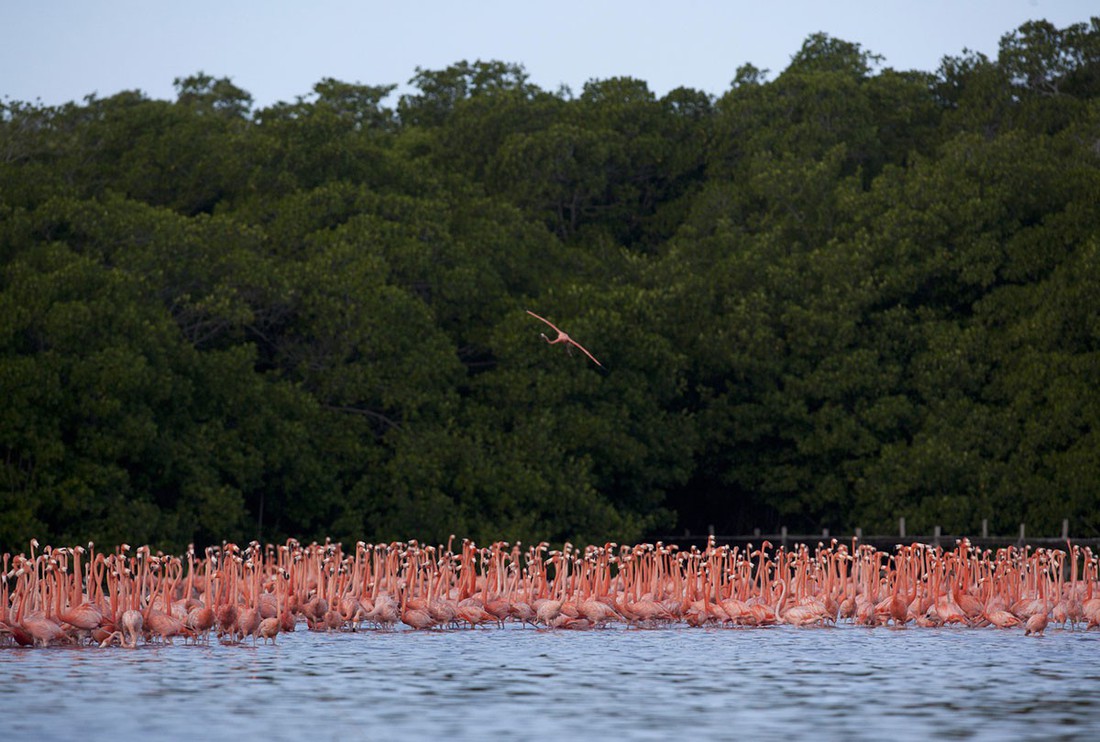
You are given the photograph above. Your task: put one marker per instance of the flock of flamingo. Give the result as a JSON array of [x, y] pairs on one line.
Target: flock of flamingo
[[78, 596]]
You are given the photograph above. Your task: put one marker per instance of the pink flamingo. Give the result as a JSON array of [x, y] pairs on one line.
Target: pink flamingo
[[158, 622], [200, 618], [39, 629], [1037, 622], [248, 618], [563, 338], [415, 618], [269, 627]]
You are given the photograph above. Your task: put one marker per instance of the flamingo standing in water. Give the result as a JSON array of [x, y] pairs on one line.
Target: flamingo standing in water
[[563, 338], [641, 585]]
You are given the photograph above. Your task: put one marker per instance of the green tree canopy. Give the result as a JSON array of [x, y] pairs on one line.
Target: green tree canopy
[[827, 298]]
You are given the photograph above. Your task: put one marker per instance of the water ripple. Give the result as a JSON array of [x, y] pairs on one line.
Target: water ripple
[[846, 682]]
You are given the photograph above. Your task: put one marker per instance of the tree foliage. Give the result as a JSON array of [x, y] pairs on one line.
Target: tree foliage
[[828, 299]]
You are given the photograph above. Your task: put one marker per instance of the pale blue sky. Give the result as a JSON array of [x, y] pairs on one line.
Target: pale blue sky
[[62, 50]]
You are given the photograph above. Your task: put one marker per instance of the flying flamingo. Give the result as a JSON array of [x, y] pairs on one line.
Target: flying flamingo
[[563, 338]]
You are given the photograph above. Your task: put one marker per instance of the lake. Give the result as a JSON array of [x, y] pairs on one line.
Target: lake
[[845, 682]]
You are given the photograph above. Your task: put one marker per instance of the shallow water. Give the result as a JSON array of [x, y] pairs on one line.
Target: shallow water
[[845, 682]]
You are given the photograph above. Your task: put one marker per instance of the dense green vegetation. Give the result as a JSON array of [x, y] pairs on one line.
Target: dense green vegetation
[[828, 299]]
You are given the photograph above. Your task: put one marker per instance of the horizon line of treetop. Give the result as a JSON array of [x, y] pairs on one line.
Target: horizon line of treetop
[[464, 79]]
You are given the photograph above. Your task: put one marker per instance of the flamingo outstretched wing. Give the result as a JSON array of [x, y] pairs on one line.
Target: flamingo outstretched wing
[[585, 351], [546, 321]]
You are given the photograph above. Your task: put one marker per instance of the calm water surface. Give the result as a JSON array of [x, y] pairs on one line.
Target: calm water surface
[[847, 682]]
